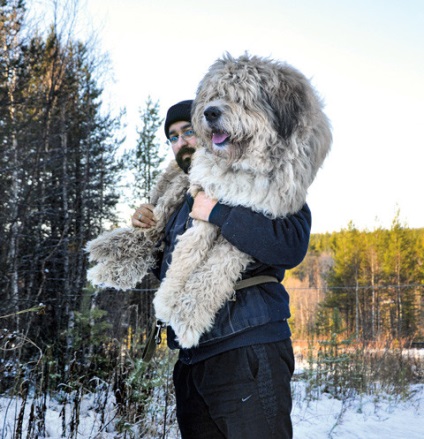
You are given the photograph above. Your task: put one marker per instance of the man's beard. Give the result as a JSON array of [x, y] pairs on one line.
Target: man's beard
[[185, 163]]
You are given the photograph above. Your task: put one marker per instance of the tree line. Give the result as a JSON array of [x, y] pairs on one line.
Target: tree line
[[58, 175], [61, 178], [368, 285]]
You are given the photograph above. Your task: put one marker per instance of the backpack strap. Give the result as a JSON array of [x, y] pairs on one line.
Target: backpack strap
[[255, 280]]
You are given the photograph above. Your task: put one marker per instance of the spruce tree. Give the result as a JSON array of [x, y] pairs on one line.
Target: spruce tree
[[144, 161]]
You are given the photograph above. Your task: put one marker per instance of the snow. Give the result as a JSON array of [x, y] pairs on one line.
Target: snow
[[89, 419], [315, 415], [363, 417]]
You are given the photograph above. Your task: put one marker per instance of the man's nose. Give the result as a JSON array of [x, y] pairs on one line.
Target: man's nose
[[181, 141]]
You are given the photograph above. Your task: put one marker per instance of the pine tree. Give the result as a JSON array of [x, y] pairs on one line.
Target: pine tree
[[145, 159], [400, 268], [344, 278]]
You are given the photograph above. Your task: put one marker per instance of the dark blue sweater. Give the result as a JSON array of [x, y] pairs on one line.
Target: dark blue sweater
[[259, 314]]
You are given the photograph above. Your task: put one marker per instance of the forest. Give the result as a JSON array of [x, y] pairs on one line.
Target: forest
[[61, 177], [365, 284]]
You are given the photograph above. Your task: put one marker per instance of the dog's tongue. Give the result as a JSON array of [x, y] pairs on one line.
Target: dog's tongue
[[218, 138]]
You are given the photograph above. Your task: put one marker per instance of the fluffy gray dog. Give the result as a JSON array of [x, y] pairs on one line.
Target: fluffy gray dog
[[263, 136]]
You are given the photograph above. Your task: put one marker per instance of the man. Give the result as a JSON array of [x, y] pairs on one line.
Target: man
[[182, 139], [236, 383]]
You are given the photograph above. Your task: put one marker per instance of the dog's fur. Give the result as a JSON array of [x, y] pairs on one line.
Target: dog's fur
[[124, 256], [263, 136]]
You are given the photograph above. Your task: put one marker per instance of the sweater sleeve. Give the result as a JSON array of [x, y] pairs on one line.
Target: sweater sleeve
[[282, 241]]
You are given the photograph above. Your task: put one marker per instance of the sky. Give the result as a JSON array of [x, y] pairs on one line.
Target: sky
[[365, 58]]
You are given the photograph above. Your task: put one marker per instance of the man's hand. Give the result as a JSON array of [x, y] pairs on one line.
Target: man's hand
[[202, 207], [143, 216]]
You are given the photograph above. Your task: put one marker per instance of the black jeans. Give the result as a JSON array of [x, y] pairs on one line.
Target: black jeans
[[241, 394]]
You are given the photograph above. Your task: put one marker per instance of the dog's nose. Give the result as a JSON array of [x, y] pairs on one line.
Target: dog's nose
[[212, 114]]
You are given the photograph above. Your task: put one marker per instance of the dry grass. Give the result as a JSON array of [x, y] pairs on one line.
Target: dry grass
[[345, 367]]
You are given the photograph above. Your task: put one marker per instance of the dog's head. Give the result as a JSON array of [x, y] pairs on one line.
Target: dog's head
[[257, 114]]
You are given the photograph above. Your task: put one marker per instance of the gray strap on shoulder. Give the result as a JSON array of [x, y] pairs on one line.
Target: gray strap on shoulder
[[256, 280]]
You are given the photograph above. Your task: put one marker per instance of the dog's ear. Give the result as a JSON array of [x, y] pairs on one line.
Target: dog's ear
[[287, 101], [285, 117]]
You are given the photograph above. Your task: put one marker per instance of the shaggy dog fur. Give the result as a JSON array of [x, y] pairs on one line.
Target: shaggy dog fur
[[124, 256], [263, 137]]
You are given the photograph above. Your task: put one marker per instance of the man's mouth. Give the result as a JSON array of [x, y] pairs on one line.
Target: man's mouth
[[183, 157], [220, 138]]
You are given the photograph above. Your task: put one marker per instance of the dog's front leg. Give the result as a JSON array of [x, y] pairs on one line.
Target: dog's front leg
[[123, 257], [209, 287], [190, 252]]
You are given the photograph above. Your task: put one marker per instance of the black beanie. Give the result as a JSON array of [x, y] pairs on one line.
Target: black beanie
[[176, 113]]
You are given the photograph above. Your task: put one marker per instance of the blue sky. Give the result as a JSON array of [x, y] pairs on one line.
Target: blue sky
[[365, 58]]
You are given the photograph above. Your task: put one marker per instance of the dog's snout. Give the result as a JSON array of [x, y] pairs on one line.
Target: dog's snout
[[212, 114]]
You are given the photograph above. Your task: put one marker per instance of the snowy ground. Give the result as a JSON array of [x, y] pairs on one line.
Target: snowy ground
[[360, 418]]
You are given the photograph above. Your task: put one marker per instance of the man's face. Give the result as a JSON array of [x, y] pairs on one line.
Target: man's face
[[183, 142]]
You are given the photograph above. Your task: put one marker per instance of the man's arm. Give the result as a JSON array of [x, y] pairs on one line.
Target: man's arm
[[281, 241]]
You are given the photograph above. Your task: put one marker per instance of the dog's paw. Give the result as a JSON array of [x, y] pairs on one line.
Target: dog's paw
[[163, 311], [188, 338], [101, 276]]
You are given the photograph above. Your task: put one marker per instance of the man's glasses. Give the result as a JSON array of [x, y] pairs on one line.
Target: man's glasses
[[189, 134]]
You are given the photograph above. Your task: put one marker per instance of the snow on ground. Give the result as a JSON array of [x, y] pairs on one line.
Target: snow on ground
[[365, 417], [89, 419]]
